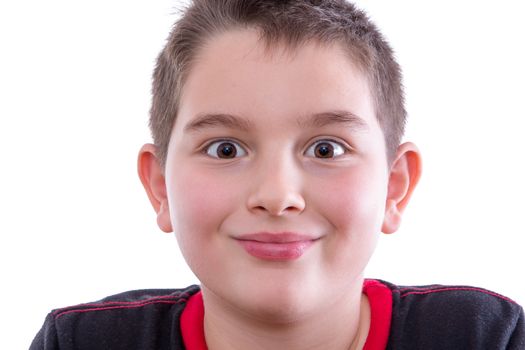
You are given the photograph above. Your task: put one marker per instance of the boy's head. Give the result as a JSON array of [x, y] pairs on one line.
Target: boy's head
[[290, 24], [276, 179]]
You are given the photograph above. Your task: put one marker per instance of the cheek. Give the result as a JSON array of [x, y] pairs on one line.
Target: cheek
[[199, 203], [355, 203], [354, 207]]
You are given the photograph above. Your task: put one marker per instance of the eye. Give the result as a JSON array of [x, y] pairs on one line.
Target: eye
[[325, 149], [225, 149]]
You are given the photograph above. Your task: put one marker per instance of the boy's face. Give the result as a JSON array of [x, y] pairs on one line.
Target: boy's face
[[273, 146]]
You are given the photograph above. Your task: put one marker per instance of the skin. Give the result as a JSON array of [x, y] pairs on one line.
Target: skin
[[277, 183]]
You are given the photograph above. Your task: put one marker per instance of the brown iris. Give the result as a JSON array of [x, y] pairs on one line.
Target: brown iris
[[324, 150], [226, 150]]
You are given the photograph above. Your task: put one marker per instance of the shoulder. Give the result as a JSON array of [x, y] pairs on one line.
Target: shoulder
[[442, 299], [152, 301], [443, 317], [147, 317]]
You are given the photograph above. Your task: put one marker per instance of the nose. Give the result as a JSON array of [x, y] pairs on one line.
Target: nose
[[276, 188]]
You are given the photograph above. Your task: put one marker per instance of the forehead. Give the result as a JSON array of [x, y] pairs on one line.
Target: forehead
[[236, 73]]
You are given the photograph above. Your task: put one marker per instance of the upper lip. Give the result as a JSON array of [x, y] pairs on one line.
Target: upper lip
[[276, 237]]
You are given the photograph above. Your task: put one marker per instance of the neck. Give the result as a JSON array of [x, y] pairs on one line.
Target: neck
[[342, 324]]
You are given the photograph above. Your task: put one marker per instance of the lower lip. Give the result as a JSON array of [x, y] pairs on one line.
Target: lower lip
[[276, 251]]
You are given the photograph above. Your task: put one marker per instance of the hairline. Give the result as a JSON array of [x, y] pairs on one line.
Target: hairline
[[273, 45], [363, 46]]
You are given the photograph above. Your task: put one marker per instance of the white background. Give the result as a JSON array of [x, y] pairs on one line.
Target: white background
[[75, 223]]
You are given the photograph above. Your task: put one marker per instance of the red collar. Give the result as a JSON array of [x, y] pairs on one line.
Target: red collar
[[380, 299], [379, 296]]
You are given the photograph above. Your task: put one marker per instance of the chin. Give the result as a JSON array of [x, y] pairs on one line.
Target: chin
[[278, 302]]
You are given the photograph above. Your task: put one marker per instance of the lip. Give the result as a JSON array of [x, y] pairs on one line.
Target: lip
[[276, 246]]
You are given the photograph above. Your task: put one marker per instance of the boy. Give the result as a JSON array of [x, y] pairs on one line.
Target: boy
[[277, 161]]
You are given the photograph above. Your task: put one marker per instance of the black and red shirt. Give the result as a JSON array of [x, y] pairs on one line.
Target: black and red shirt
[[425, 317]]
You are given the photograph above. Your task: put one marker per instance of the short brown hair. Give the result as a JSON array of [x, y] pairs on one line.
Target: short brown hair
[[291, 22]]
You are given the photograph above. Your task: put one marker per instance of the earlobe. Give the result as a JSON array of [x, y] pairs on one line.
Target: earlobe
[[404, 176], [152, 177]]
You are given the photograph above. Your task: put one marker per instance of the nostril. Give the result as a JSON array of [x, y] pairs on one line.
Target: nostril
[[276, 199], [277, 210]]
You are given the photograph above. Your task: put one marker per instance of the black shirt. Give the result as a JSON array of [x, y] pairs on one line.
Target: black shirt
[[425, 317]]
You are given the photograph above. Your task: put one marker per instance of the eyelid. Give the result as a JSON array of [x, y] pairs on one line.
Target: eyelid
[[346, 148], [238, 144]]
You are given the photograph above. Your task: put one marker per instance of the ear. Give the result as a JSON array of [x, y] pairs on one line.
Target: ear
[[152, 177], [404, 176]]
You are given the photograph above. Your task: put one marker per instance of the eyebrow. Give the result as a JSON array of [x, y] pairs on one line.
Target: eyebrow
[[344, 118], [316, 120], [225, 120]]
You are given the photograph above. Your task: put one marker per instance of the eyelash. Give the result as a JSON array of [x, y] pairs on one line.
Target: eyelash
[[339, 149], [208, 147]]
